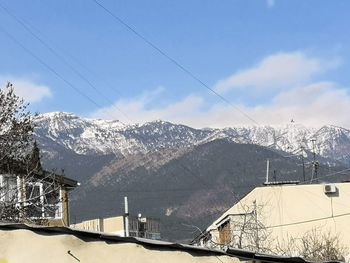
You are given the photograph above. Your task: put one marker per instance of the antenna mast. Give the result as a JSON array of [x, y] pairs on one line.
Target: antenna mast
[[314, 162], [303, 162], [267, 171]]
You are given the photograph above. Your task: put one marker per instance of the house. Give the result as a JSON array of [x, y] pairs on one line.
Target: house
[[144, 227], [62, 244], [28, 193], [277, 215]]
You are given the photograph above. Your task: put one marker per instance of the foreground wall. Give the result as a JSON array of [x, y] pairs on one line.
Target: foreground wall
[[28, 246]]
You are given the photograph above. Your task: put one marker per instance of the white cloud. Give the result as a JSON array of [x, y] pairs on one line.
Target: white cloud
[[295, 94], [315, 105], [277, 71], [27, 89], [138, 110], [270, 3]]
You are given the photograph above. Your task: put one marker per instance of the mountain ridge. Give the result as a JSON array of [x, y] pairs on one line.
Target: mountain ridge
[[182, 175], [101, 137]]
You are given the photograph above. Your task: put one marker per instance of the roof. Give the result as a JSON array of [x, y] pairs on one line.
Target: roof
[[89, 236], [154, 244], [68, 182], [15, 167]]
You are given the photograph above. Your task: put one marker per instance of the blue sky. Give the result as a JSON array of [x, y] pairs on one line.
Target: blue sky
[[275, 60]]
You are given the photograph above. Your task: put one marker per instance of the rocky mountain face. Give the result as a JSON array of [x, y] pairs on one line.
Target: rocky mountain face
[[186, 177], [101, 137]]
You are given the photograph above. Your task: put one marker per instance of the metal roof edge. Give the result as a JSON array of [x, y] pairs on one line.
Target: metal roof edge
[[88, 236], [110, 238]]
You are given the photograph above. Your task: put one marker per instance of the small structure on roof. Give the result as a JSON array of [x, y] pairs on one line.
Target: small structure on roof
[[139, 226]]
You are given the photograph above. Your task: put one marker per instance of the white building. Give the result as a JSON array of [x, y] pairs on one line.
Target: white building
[[275, 214], [137, 226]]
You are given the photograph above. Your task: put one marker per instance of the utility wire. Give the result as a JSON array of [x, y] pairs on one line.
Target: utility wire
[[84, 78], [45, 44], [49, 67], [331, 174], [91, 85], [309, 221], [244, 186], [172, 60], [92, 101]]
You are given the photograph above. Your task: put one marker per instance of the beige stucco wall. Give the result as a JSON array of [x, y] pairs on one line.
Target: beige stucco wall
[[292, 205], [111, 225], [114, 225], [94, 225], [18, 246]]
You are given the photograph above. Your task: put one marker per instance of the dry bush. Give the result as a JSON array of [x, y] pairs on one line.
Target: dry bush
[[315, 245]]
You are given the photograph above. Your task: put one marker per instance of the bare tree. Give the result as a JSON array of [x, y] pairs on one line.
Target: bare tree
[[16, 126], [27, 192], [316, 245], [249, 231], [245, 230]]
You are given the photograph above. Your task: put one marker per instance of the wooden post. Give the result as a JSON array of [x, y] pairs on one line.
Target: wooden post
[[21, 196], [65, 206]]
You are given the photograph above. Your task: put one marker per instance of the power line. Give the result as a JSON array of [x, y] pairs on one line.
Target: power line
[[309, 221], [90, 99], [331, 174], [84, 78], [42, 62], [242, 186], [45, 44], [91, 85], [172, 60]]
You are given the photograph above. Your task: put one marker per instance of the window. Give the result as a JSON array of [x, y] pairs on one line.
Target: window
[[52, 204], [42, 201], [8, 188], [34, 200], [225, 233]]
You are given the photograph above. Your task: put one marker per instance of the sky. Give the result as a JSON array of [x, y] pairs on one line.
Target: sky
[[256, 62]]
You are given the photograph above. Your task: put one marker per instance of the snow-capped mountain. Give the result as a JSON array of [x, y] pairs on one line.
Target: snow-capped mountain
[[175, 172], [83, 136], [101, 137]]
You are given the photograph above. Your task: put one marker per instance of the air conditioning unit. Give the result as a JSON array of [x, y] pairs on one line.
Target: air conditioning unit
[[330, 189]]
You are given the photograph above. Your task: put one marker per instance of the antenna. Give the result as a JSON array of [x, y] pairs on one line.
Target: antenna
[[126, 216], [303, 162], [267, 171], [314, 163], [274, 176]]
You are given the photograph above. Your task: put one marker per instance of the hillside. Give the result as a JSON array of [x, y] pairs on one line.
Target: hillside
[[189, 190], [184, 176]]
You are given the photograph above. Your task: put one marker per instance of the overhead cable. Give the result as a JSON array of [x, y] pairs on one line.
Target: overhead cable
[[172, 60]]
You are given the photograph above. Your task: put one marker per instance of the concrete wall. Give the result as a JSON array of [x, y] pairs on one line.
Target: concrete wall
[[18, 246]]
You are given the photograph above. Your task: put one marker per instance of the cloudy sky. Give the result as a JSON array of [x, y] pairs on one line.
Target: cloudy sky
[[268, 61]]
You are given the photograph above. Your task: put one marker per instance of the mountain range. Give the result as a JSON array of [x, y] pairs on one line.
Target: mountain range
[[184, 176]]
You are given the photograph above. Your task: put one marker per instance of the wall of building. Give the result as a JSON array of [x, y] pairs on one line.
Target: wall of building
[[115, 225], [112, 225], [294, 210]]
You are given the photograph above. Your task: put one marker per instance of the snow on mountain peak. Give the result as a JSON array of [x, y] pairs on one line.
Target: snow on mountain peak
[[96, 136]]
